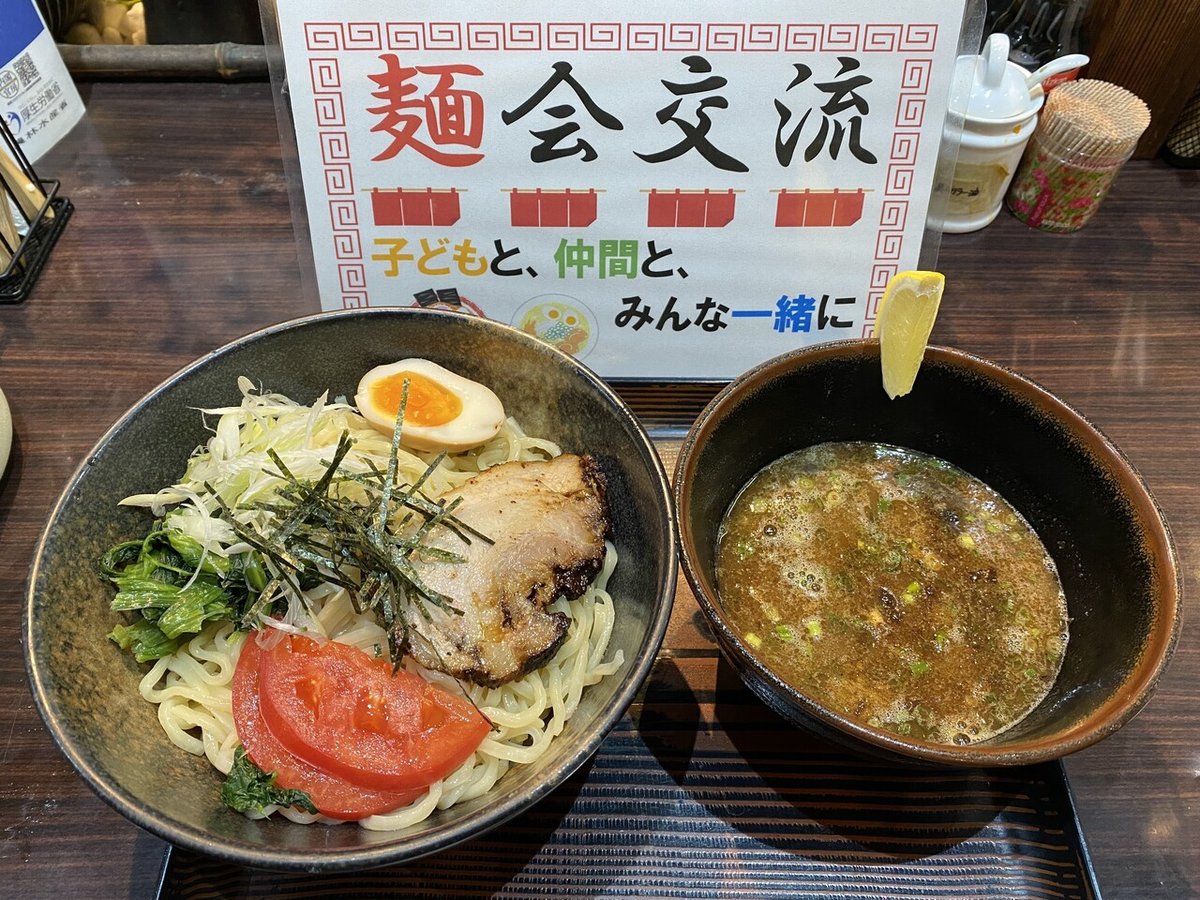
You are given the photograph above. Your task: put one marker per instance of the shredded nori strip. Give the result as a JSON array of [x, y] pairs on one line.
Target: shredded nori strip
[[320, 534]]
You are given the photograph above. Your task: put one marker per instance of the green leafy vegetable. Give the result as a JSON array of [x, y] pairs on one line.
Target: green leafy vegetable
[[144, 640], [247, 788], [307, 520], [194, 606], [158, 578], [193, 553]]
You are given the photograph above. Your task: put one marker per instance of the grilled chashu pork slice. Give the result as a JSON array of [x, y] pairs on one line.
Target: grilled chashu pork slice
[[548, 521]]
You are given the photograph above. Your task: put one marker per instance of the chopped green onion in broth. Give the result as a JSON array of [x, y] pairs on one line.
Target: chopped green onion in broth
[[894, 588]]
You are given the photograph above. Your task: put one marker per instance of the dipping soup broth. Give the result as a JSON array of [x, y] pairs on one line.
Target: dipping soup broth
[[895, 589]]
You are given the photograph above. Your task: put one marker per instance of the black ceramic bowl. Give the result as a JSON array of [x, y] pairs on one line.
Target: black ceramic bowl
[[86, 689], [1091, 509]]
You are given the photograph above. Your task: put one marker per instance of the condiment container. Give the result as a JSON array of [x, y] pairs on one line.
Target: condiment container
[[999, 116], [1088, 131]]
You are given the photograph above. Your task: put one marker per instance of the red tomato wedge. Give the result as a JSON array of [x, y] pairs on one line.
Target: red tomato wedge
[[333, 796], [347, 714]]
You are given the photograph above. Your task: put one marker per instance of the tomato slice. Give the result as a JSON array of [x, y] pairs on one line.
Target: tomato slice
[[333, 796], [347, 714]]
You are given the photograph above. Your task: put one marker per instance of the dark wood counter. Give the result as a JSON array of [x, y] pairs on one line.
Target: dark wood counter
[[182, 241]]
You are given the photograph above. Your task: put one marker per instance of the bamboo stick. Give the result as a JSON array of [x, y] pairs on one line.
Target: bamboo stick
[[822, 190], [554, 190], [412, 190], [673, 191], [226, 61], [8, 231], [28, 194]]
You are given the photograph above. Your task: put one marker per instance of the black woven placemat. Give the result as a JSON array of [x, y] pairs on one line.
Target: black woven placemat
[[709, 795]]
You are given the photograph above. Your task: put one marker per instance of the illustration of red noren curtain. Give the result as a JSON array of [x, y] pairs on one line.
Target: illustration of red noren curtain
[[419, 206], [539, 208], [817, 209], [690, 209]]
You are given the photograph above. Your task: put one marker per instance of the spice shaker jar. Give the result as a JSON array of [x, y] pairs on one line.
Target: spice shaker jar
[[999, 116], [1089, 130]]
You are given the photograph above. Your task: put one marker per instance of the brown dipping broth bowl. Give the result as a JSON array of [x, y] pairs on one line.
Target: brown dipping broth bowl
[[1091, 509]]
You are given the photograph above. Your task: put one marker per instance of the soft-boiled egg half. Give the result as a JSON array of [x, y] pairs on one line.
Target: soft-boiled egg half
[[444, 411]]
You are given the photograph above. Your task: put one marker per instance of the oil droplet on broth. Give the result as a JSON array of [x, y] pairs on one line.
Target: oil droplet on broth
[[896, 518]]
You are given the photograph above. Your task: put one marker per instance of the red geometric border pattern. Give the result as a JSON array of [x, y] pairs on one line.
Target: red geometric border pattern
[[841, 38], [346, 246], [713, 37], [736, 37], [910, 116], [916, 74], [335, 156], [904, 146], [893, 214], [330, 112], [361, 35]]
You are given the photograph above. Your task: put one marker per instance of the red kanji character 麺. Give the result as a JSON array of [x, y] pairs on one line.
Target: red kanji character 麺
[[451, 116]]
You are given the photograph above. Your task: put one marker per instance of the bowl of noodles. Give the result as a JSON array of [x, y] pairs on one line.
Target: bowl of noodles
[[968, 575], [246, 522]]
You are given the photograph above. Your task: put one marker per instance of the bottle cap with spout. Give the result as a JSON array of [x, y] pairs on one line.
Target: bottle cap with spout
[[997, 87], [998, 116]]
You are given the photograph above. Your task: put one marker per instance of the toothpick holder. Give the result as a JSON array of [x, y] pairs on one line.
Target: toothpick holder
[[32, 215]]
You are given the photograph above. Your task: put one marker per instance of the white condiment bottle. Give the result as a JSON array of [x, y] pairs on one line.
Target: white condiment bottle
[[999, 116]]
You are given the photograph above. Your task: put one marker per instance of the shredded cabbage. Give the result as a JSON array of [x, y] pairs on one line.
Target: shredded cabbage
[[235, 468]]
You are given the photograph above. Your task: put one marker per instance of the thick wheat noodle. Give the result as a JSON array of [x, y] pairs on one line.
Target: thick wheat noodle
[[193, 686], [192, 689]]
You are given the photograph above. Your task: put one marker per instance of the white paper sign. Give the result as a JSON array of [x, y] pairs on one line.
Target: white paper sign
[[661, 193]]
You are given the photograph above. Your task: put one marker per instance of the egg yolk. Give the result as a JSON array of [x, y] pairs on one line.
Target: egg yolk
[[428, 404]]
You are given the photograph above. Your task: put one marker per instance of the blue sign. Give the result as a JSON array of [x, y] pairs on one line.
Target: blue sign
[[21, 25]]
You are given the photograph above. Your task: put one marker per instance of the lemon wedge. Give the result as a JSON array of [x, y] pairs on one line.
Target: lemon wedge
[[906, 314]]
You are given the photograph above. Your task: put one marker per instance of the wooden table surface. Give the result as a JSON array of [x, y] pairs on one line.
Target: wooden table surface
[[182, 241]]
